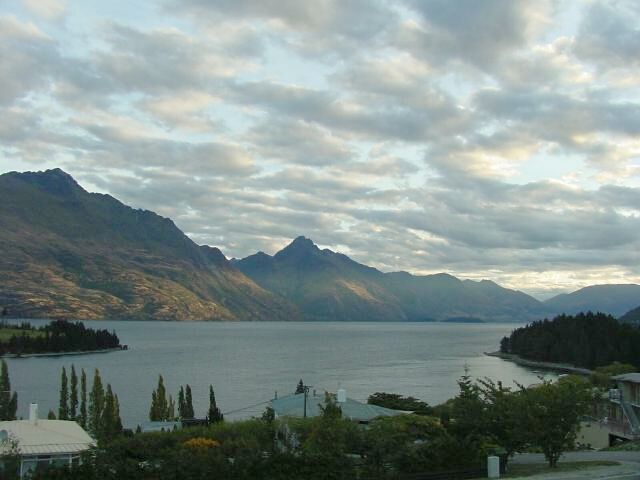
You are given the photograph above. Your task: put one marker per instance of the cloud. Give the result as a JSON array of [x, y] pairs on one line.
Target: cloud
[[47, 9], [489, 138]]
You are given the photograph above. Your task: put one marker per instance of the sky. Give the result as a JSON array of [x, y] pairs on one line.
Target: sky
[[487, 139]]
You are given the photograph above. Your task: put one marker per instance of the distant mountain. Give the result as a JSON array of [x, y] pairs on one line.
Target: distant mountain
[[632, 316], [67, 253], [612, 299], [326, 285]]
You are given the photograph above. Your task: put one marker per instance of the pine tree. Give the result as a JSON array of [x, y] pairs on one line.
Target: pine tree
[[83, 399], [73, 397], [8, 401], [188, 403], [63, 408], [96, 404], [300, 387], [181, 403], [214, 414]]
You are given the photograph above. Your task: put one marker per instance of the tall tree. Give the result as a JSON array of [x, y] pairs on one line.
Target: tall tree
[[214, 414], [96, 403], [8, 400], [171, 409], [73, 396], [110, 423], [181, 403], [159, 410], [63, 407], [83, 399], [189, 413]]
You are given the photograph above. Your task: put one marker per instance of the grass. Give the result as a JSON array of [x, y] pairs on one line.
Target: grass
[[7, 333], [527, 470]]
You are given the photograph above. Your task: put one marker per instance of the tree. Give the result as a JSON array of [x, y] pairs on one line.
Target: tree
[[63, 408], [399, 402], [159, 410], [300, 387], [181, 403], [51, 415], [214, 414], [73, 396], [8, 400], [83, 399], [96, 403], [171, 409], [188, 400], [552, 415], [110, 423]]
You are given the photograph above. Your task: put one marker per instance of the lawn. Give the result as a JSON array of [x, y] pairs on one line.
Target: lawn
[[7, 333]]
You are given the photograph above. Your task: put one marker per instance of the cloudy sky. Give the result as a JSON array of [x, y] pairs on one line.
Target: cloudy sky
[[489, 139]]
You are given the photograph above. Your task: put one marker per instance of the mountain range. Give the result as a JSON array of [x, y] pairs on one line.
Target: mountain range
[[68, 253]]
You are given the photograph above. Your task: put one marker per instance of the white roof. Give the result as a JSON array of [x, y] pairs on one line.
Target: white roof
[[628, 377], [47, 437]]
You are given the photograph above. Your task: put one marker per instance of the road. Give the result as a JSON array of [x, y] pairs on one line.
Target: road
[[629, 468]]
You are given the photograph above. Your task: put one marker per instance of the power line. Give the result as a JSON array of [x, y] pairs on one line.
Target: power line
[[245, 408]]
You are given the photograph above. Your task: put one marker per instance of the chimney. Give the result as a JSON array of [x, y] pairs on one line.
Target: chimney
[[342, 395], [33, 413]]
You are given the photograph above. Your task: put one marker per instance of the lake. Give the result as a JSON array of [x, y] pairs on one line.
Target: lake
[[248, 362]]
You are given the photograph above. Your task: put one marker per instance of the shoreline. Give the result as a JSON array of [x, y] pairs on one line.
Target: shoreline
[[60, 354], [556, 367]]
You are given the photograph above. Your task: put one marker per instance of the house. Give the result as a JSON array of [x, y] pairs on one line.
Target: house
[[624, 407], [39, 442], [308, 405]]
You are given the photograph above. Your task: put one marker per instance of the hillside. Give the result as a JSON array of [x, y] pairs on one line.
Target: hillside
[[67, 253], [326, 285], [632, 316], [612, 299]]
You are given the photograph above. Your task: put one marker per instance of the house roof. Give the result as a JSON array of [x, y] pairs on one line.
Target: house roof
[[156, 426], [46, 437], [628, 377], [293, 406]]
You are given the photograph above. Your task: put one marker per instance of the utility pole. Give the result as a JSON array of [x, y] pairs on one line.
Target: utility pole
[[306, 393]]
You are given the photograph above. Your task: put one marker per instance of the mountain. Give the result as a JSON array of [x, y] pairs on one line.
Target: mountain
[[632, 316], [326, 285], [67, 253], [612, 299]]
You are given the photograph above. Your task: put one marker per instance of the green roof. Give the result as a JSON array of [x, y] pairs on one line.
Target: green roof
[[293, 406]]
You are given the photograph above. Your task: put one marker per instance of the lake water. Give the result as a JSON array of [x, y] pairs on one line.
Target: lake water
[[248, 362]]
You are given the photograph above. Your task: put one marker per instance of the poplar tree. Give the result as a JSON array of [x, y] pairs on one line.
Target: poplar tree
[[63, 408], [110, 423], [181, 403], [214, 414], [188, 403], [73, 397], [171, 409], [8, 400], [159, 410], [83, 399], [96, 404]]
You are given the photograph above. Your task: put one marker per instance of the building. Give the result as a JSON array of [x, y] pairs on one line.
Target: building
[[43, 442], [308, 405], [624, 407]]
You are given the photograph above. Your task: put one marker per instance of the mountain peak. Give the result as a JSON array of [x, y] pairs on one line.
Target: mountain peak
[[55, 181], [300, 245]]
